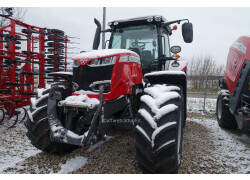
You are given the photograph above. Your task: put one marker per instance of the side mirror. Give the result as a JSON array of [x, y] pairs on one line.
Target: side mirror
[[187, 32], [175, 49], [97, 38]]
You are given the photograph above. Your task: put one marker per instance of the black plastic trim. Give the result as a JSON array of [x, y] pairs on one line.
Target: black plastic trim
[[241, 87]]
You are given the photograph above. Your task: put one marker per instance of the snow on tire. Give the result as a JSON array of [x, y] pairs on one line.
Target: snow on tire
[[159, 133], [224, 116], [37, 125]]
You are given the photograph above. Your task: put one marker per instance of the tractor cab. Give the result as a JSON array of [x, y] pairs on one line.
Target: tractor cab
[[148, 37]]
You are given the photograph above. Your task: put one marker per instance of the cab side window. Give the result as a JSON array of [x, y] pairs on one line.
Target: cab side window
[[165, 47]]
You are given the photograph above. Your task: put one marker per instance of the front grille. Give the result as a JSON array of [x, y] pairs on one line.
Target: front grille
[[86, 75]]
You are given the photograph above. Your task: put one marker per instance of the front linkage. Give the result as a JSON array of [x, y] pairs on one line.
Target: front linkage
[[60, 134]]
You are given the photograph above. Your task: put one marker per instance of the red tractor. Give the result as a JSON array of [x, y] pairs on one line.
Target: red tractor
[[125, 86], [233, 103]]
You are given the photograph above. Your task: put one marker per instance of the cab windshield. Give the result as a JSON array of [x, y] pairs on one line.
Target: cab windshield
[[141, 39]]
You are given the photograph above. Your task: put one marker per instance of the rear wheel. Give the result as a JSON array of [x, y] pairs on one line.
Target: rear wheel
[[38, 130], [224, 116], [159, 133]]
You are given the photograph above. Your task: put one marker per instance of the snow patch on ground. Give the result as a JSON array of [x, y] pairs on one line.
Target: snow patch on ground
[[73, 164], [195, 105], [231, 150], [15, 147]]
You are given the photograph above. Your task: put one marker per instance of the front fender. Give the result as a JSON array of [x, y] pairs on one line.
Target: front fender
[[68, 76]]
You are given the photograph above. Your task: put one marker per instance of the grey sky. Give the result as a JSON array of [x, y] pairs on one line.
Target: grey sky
[[215, 29]]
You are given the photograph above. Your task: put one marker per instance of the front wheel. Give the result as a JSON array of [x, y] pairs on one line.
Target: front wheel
[[38, 130], [159, 133]]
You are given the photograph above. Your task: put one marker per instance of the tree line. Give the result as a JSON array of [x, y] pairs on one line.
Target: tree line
[[200, 67]]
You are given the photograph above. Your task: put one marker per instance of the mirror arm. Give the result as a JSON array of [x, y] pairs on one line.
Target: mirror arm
[[106, 44], [172, 22], [107, 30], [167, 59]]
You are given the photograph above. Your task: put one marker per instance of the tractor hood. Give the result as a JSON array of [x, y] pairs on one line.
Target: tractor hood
[[85, 57]]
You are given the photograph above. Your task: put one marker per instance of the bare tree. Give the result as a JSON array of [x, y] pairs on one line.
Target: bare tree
[[201, 66], [18, 14]]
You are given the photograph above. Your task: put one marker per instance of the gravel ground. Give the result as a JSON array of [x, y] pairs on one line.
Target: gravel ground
[[203, 152], [209, 149]]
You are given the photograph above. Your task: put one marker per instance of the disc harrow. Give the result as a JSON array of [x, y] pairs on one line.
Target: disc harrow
[[27, 54]]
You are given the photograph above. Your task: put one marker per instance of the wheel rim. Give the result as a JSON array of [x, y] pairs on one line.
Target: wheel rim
[[179, 139], [219, 108]]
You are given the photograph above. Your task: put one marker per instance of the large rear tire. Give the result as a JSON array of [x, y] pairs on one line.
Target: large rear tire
[[224, 116], [159, 133], [38, 130]]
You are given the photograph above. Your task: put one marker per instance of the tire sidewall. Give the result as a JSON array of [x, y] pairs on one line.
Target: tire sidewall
[[219, 100], [180, 128]]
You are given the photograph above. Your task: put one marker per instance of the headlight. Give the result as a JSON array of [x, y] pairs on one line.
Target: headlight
[[76, 63], [107, 60], [95, 62], [102, 62]]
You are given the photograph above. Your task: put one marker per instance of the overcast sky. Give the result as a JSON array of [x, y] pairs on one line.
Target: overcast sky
[[215, 29]]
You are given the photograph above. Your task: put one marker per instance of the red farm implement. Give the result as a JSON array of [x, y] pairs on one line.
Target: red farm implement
[[27, 54]]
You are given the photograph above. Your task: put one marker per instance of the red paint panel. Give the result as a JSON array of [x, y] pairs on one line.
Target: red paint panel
[[238, 53]]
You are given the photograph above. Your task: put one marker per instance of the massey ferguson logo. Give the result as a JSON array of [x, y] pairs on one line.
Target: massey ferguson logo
[[234, 65], [83, 61]]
